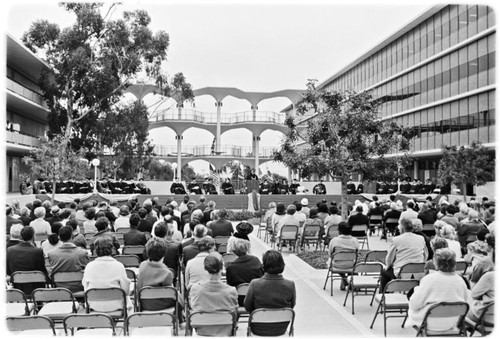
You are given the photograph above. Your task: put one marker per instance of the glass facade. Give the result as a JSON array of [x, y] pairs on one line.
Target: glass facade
[[437, 76]]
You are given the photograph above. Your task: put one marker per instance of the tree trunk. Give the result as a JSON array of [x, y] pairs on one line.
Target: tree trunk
[[344, 197], [53, 191]]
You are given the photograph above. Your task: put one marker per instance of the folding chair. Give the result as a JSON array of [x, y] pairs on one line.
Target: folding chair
[[461, 267], [27, 281], [150, 323], [89, 324], [150, 293], [412, 271], [269, 229], [331, 233], [130, 261], [361, 233], [394, 300], [342, 262], [279, 317], [364, 281], [486, 321], [242, 290], [70, 280], [310, 233], [444, 319], [262, 226], [119, 237], [221, 244], [122, 230], [390, 226], [105, 296], [137, 250], [375, 222], [132, 276], [31, 323], [228, 258], [17, 303], [203, 321], [376, 256], [54, 303], [289, 233]]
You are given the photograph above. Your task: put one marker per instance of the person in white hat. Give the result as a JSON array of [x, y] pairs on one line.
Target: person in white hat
[[305, 209]]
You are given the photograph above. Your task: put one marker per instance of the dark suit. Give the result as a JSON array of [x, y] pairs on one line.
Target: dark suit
[[221, 228], [11, 221], [25, 257], [190, 251], [358, 219], [145, 225], [243, 270], [134, 237]]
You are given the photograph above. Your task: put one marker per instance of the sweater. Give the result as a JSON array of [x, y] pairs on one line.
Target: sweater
[[154, 273], [434, 288], [483, 293]]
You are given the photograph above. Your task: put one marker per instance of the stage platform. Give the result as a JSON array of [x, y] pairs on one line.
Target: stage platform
[[233, 202]]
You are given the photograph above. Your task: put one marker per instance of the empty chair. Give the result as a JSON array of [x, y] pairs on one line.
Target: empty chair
[[211, 323], [242, 290], [89, 324], [331, 233], [485, 323], [54, 303], [150, 323], [36, 324], [393, 302], [17, 303], [264, 321], [375, 223], [262, 226], [364, 281], [27, 281], [310, 234], [288, 233], [376, 256], [342, 263], [360, 232], [390, 226], [444, 319]]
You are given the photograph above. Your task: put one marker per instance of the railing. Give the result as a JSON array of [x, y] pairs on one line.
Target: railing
[[211, 118], [25, 92], [21, 139], [206, 150]]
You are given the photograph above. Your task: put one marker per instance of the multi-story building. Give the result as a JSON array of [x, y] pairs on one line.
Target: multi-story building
[[26, 112], [436, 74]]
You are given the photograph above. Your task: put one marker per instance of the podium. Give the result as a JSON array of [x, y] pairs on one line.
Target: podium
[[252, 185]]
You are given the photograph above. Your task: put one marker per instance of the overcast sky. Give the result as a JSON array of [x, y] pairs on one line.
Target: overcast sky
[[252, 45]]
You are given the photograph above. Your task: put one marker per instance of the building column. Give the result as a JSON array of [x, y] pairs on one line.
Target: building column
[[289, 175], [256, 140], [217, 134], [254, 113], [179, 109], [178, 137], [415, 169]]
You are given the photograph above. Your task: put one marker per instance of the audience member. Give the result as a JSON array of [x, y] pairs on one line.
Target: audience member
[[103, 231], [343, 242], [15, 235], [448, 232], [243, 229], [436, 243], [221, 227], [195, 271], [134, 237]]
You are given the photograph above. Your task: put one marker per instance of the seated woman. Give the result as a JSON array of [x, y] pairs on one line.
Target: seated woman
[[444, 285], [106, 272], [344, 241], [213, 295], [243, 229], [448, 232], [436, 243], [195, 270], [315, 220], [153, 272], [483, 293], [271, 291]]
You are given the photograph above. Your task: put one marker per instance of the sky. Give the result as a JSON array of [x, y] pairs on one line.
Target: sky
[[251, 45]]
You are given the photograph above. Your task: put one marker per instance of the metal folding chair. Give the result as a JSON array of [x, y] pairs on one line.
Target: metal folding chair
[[444, 319], [70, 280], [375, 223], [201, 322], [150, 323], [394, 300], [361, 233], [94, 296], [54, 303], [310, 233], [390, 226], [242, 290], [137, 250], [289, 233], [486, 321], [364, 281], [376, 256], [271, 316], [342, 262], [412, 271], [221, 244], [89, 324], [17, 303], [228, 258], [37, 323], [27, 281], [331, 233]]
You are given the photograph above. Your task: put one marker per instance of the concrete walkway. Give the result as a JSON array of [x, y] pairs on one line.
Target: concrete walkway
[[320, 315]]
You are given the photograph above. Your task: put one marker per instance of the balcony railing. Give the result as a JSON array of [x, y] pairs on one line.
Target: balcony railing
[[206, 150], [25, 92], [21, 139], [211, 118]]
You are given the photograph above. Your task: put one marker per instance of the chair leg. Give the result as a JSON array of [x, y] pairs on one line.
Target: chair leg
[[347, 292], [376, 314]]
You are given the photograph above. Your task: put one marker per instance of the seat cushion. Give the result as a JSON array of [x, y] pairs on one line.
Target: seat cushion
[[57, 309]]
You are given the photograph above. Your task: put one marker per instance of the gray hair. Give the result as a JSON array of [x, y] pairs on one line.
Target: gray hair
[[445, 260], [40, 212], [241, 247]]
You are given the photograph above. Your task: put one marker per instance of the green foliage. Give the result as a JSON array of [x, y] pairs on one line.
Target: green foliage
[[466, 165]]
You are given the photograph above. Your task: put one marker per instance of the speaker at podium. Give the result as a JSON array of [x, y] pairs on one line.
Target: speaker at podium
[[252, 185]]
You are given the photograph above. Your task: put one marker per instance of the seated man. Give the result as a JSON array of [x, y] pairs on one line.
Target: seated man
[[177, 187], [227, 187]]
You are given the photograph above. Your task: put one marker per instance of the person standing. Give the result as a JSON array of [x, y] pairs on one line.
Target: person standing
[[319, 188]]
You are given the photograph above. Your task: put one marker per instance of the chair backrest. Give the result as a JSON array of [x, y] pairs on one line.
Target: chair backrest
[[460, 267], [122, 230], [289, 232], [344, 259], [376, 256], [445, 318], [135, 250], [26, 277], [150, 319], [88, 321], [412, 271], [228, 258], [222, 248], [59, 278], [242, 289], [272, 315], [158, 292], [375, 219], [131, 274], [13, 295], [219, 240], [359, 230], [487, 319], [269, 224], [128, 260], [368, 268], [400, 285], [106, 295], [332, 231], [392, 221], [32, 322], [311, 231], [199, 318], [54, 294]]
